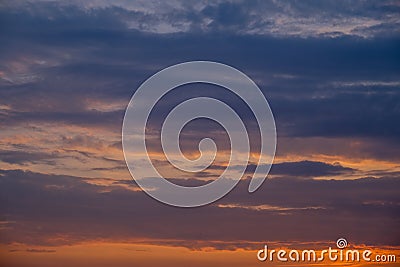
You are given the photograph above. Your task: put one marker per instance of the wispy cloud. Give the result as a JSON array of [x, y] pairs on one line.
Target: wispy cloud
[[365, 19]]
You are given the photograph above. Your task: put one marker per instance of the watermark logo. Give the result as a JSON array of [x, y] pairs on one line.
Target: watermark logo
[[341, 243], [339, 254], [147, 96]]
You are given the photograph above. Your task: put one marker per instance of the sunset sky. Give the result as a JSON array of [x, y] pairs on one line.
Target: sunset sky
[[68, 69]]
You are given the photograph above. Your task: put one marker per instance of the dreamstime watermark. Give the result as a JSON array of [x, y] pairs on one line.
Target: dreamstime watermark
[[148, 95], [340, 253]]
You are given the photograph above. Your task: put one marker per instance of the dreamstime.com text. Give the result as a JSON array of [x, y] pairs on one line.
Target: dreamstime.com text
[[340, 254]]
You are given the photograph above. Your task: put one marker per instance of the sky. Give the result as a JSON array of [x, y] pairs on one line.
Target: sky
[[68, 69]]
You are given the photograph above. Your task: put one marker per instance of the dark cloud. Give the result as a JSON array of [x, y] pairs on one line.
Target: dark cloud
[[34, 250], [109, 169], [330, 70], [365, 19], [307, 169], [23, 157], [316, 87], [283, 210]]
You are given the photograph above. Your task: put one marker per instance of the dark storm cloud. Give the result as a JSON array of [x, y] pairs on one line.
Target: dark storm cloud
[[298, 169], [83, 59], [306, 169], [89, 50], [284, 209]]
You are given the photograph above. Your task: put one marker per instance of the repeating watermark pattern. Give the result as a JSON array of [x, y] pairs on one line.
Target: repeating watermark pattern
[[148, 95], [341, 254]]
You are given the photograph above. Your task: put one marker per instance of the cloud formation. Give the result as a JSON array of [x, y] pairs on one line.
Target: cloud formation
[[365, 19], [284, 209], [330, 71]]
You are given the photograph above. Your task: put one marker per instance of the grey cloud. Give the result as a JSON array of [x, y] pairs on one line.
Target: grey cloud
[[283, 18], [57, 57], [77, 71], [308, 169], [35, 250], [79, 211], [25, 157]]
